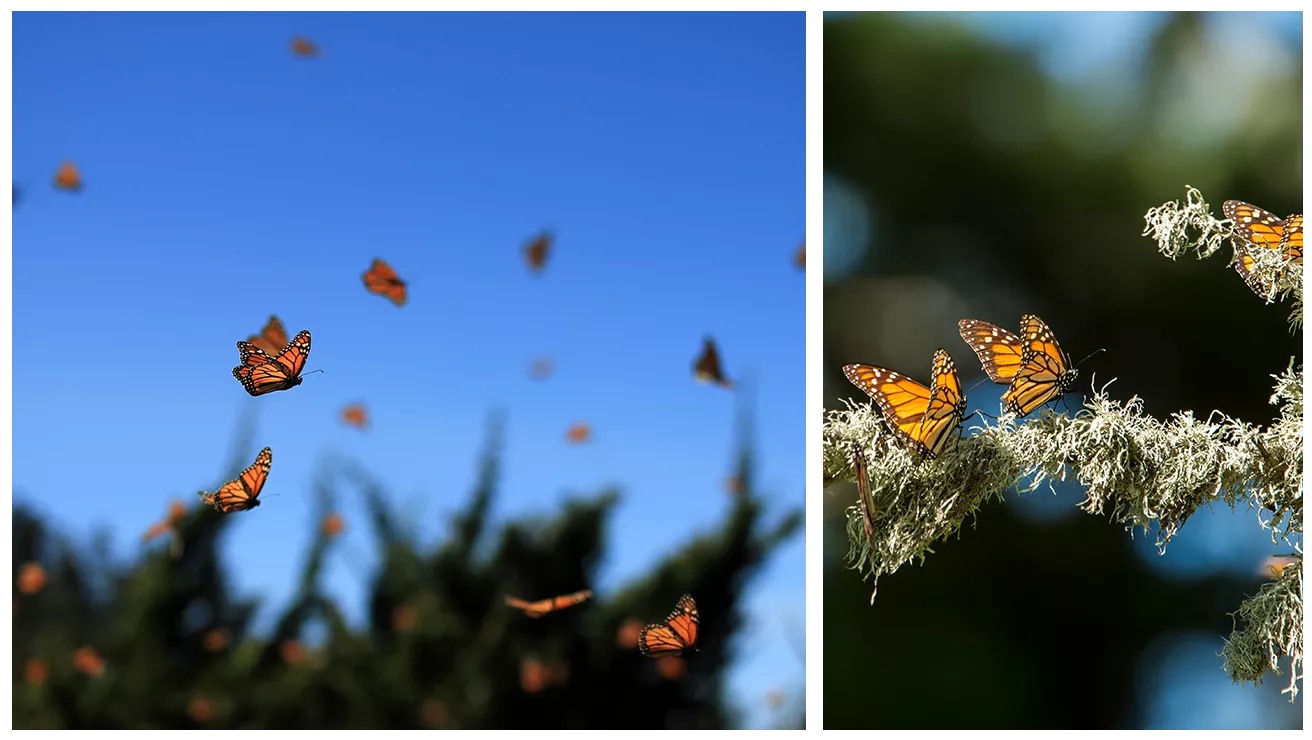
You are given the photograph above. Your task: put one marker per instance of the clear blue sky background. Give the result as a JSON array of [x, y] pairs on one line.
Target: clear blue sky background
[[226, 180], [1099, 53]]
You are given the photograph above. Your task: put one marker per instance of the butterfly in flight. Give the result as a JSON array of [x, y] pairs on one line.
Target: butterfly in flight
[[673, 636], [381, 279], [355, 416], [1263, 229], [1035, 368], [68, 178], [544, 607], [243, 492], [578, 433], [303, 47], [706, 368], [272, 338], [261, 373], [536, 251], [925, 417]]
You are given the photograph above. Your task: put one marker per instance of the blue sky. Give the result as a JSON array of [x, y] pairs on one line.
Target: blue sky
[[226, 180]]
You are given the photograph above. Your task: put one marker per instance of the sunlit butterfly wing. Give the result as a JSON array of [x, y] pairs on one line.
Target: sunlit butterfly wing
[[242, 493], [999, 350], [381, 279], [281, 373], [922, 416], [677, 634], [272, 338], [68, 178], [1264, 230], [355, 416], [1045, 372]]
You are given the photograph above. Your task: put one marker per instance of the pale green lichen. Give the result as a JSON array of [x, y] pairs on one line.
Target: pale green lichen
[[1140, 471]]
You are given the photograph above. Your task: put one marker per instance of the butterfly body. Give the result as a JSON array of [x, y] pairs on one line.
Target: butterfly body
[[1262, 229], [543, 607], [674, 636], [924, 417], [261, 373], [1033, 366], [241, 494]]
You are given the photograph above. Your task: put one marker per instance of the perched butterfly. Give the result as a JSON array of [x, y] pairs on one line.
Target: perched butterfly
[[541, 608], [673, 636], [355, 416], [68, 178], [382, 280], [1033, 365], [799, 258], [925, 417], [242, 494], [260, 373], [863, 493], [1264, 229], [541, 368], [578, 433], [303, 47], [535, 253], [272, 338], [706, 368]]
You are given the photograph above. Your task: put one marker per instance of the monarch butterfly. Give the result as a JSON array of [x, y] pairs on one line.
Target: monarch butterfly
[[260, 373], [925, 417], [706, 368], [863, 492], [68, 178], [673, 636], [303, 47], [1262, 228], [544, 607], [1036, 368], [272, 338], [241, 494], [355, 416], [578, 433], [381, 279], [535, 253]]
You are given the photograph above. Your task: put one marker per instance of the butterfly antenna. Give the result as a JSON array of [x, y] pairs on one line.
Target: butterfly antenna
[[1091, 354], [978, 384], [311, 372]]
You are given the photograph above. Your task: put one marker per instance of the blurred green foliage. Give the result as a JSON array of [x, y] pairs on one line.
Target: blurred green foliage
[[172, 648], [963, 180]]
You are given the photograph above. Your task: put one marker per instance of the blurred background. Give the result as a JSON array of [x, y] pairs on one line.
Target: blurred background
[[229, 174], [989, 165]]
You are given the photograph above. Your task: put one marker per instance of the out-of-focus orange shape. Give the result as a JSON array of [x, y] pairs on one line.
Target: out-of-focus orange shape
[[177, 510], [68, 178], [627, 635], [355, 415], [303, 47], [433, 713], [733, 485], [333, 524], [35, 671], [541, 368], [381, 279], [536, 251], [272, 338], [532, 675], [31, 578], [799, 259], [578, 433], [88, 661], [671, 668], [200, 709], [215, 640], [775, 699], [1275, 565], [292, 652], [404, 617]]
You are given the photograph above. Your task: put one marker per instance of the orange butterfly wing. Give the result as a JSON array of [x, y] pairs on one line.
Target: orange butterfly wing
[[381, 279], [999, 351], [706, 368], [677, 634], [1262, 229], [543, 607], [535, 253], [68, 178], [303, 47], [923, 416], [355, 416], [272, 338], [241, 494], [277, 374], [1045, 372]]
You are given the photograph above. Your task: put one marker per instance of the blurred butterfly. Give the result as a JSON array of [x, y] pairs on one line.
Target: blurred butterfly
[[706, 368], [578, 433], [1035, 367], [303, 47], [68, 178], [541, 608], [381, 279], [536, 251], [355, 416], [673, 636], [799, 258], [272, 338], [1263, 229], [242, 494], [260, 373], [925, 417], [541, 368]]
